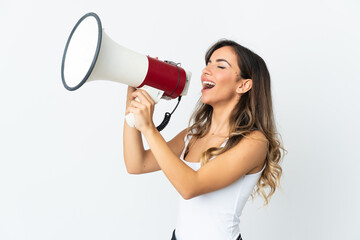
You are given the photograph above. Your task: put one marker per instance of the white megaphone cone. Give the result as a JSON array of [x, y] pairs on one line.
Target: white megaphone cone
[[90, 54]]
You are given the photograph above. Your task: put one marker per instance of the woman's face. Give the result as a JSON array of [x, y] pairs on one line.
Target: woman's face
[[220, 77]]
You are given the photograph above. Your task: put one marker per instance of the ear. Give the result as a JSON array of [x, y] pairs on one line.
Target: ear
[[244, 86]]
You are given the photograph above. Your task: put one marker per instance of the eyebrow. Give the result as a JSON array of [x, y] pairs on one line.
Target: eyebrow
[[221, 60]]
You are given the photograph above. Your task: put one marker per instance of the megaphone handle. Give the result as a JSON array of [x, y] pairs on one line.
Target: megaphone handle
[[154, 93]]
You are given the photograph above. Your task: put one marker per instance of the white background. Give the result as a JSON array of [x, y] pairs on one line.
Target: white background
[[62, 174]]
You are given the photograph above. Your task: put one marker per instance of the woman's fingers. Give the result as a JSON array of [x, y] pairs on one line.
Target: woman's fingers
[[147, 96], [142, 101], [136, 104], [143, 97], [142, 107], [131, 89]]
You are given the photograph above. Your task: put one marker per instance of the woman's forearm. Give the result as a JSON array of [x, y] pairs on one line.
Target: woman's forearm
[[133, 149], [132, 143], [182, 177]]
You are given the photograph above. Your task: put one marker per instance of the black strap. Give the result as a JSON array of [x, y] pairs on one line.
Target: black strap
[[173, 235], [167, 117]]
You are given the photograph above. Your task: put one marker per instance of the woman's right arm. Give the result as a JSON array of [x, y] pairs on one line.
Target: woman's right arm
[[137, 159]]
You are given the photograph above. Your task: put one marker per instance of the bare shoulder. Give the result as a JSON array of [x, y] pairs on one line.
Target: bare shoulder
[[256, 139], [179, 138], [253, 147], [257, 135], [177, 144]]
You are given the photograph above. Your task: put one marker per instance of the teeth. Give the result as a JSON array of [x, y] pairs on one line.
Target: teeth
[[208, 83]]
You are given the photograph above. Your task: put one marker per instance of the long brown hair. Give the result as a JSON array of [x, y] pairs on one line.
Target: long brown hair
[[254, 111]]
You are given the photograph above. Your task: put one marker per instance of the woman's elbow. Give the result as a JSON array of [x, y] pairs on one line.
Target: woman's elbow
[[187, 195], [132, 170]]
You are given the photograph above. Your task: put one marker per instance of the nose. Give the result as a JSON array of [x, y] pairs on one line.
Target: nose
[[206, 70]]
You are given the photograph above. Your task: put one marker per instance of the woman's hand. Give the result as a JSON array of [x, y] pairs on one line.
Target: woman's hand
[[142, 106], [130, 90]]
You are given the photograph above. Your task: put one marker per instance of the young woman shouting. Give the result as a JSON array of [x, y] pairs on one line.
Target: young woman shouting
[[230, 150]]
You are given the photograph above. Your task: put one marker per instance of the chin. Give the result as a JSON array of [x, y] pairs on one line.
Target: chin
[[206, 100]]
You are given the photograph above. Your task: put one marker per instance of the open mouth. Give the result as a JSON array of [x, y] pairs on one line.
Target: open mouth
[[208, 85]]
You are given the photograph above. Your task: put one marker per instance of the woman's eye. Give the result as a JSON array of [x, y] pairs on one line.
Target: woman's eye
[[221, 67]]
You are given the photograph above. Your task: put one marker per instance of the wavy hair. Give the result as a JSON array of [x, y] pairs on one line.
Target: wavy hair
[[254, 111]]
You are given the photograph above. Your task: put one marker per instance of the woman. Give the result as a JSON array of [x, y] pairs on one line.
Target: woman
[[230, 146]]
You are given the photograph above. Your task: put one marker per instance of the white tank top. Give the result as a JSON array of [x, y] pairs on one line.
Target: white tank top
[[214, 215]]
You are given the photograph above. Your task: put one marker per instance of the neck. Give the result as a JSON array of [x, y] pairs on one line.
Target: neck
[[220, 124]]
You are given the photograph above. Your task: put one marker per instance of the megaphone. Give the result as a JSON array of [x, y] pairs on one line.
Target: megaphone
[[90, 54]]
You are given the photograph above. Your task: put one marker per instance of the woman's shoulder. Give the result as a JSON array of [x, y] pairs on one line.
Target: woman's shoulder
[[253, 146], [255, 138], [178, 142], [180, 137], [257, 135]]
